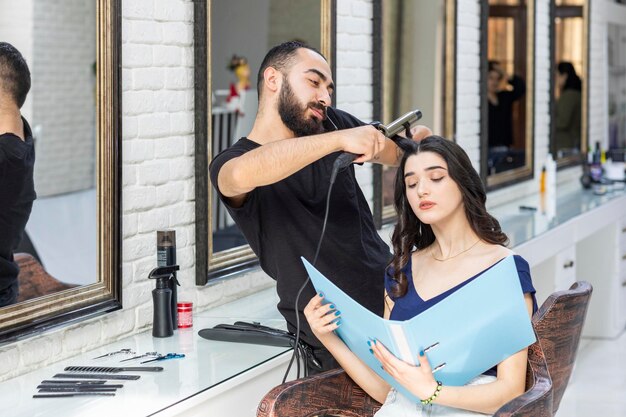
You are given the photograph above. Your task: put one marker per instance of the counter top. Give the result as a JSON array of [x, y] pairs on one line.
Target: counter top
[[211, 365], [571, 201], [207, 364]]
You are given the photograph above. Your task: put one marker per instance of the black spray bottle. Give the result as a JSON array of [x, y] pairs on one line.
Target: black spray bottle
[[162, 300], [166, 255]]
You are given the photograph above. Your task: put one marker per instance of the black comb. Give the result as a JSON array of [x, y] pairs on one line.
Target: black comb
[[112, 369], [98, 376]]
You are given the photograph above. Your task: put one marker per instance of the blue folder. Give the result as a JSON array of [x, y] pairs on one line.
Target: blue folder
[[474, 328]]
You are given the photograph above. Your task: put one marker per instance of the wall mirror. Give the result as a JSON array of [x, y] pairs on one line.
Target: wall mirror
[[507, 49], [231, 39], [568, 130], [72, 49], [414, 74]]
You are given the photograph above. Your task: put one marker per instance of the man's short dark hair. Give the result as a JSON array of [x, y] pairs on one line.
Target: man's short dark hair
[[14, 73], [281, 57]]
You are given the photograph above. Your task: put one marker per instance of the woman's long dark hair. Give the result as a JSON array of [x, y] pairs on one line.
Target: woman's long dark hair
[[410, 233], [573, 81]]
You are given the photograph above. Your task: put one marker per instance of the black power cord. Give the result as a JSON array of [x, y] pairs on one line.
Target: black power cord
[[306, 281], [343, 160]]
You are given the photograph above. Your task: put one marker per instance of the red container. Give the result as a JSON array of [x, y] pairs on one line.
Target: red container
[[185, 314]]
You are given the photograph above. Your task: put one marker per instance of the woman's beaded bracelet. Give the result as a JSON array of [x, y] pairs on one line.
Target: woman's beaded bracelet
[[434, 396]]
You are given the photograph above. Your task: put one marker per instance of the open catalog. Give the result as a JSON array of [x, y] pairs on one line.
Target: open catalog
[[471, 330]]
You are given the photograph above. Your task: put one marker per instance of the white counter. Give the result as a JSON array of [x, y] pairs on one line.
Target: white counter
[[209, 369], [580, 237]]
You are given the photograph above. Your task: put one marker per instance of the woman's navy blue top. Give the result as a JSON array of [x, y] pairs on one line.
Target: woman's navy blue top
[[411, 304]]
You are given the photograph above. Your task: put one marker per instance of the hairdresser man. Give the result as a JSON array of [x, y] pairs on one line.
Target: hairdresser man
[[17, 158], [275, 184]]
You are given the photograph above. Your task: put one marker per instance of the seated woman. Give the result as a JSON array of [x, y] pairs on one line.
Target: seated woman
[[444, 238]]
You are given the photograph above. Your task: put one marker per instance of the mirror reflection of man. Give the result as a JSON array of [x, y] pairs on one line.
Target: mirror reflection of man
[[500, 119], [17, 159], [275, 184]]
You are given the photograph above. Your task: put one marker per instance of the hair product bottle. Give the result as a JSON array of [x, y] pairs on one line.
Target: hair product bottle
[[162, 325], [166, 255]]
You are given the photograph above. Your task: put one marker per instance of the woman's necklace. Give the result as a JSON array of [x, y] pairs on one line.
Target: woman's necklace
[[453, 256]]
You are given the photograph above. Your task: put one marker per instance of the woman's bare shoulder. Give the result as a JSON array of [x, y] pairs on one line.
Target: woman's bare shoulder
[[494, 252]]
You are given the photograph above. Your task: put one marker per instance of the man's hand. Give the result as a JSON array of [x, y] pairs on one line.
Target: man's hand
[[365, 141], [393, 154], [419, 132]]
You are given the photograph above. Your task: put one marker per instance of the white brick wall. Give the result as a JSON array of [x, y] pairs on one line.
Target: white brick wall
[[468, 79], [157, 140], [598, 88], [354, 70]]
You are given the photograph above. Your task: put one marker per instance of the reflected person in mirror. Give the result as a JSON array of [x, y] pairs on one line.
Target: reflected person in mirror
[[275, 182], [500, 118], [444, 239], [568, 109], [17, 159]]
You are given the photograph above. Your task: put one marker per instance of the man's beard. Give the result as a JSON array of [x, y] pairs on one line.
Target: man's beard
[[293, 114]]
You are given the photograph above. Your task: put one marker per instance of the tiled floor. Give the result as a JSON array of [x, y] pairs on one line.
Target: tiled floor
[[598, 384]]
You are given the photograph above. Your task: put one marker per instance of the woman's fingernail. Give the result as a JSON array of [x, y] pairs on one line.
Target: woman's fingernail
[[369, 343], [321, 294], [371, 351], [332, 306], [337, 313], [338, 322], [421, 352]]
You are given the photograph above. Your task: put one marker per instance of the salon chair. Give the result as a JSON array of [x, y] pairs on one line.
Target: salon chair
[[558, 325], [33, 279], [334, 393]]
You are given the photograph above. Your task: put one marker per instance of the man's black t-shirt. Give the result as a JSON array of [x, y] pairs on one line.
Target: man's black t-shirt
[[17, 192], [501, 116], [283, 221]]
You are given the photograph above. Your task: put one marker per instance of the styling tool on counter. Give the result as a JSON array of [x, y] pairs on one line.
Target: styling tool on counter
[[72, 381], [102, 388], [117, 352], [73, 394], [103, 385], [162, 325], [166, 357], [153, 354], [113, 369], [98, 376]]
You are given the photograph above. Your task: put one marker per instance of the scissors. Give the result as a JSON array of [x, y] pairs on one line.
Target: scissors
[[166, 357]]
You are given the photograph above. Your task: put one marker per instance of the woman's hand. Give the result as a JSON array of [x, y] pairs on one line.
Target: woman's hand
[[323, 318], [417, 379]]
